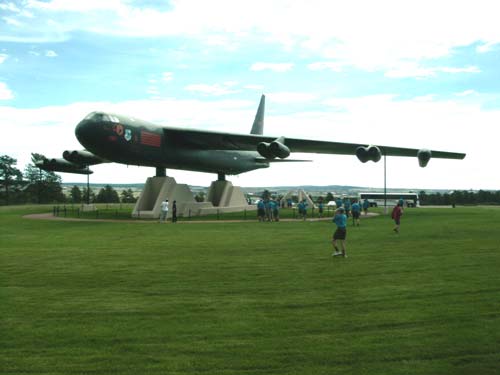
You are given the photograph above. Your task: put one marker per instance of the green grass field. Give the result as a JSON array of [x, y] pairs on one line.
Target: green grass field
[[251, 298]]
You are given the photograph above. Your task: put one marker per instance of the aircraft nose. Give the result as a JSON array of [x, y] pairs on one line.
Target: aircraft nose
[[82, 130], [87, 130]]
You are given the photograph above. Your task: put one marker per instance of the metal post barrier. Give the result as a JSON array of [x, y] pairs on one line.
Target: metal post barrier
[[217, 214], [245, 214], [64, 211], [189, 214]]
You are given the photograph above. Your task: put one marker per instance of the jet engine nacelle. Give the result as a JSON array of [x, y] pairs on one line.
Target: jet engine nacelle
[[273, 149], [424, 155], [372, 153], [62, 165], [279, 149], [264, 149], [82, 157]]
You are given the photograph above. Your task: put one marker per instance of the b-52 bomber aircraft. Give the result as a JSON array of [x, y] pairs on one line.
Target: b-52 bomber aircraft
[[115, 138]]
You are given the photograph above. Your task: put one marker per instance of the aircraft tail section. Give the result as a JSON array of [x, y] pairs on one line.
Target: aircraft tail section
[[258, 123]]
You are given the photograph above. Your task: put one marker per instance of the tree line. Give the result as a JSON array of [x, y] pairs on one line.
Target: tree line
[[460, 197], [38, 186]]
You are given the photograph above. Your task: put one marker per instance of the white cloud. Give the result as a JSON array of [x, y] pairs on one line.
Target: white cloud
[[467, 93], [254, 87], [366, 35], [3, 57], [409, 69], [290, 97], [413, 69], [469, 69], [10, 6], [75, 6], [153, 91], [326, 65], [275, 67], [167, 76], [215, 89], [5, 92], [486, 47], [50, 53], [12, 21]]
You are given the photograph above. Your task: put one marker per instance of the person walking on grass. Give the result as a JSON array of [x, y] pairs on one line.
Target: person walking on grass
[[366, 205], [340, 220], [397, 212], [356, 212]]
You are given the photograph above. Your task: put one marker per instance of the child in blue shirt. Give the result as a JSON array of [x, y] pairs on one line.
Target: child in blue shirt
[[356, 212], [340, 220]]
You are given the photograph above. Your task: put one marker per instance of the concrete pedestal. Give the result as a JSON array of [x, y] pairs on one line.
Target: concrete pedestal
[[222, 197], [301, 195], [155, 191]]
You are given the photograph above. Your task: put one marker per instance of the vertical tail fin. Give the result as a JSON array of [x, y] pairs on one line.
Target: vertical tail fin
[[258, 123]]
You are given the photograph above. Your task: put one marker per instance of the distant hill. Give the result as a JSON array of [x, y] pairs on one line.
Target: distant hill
[[312, 189]]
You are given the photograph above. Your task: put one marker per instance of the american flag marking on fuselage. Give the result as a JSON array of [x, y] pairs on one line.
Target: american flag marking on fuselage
[[150, 139]]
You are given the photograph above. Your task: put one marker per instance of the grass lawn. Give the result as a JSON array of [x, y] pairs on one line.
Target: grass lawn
[[249, 297]]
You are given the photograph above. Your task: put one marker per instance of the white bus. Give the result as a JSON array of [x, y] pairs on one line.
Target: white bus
[[378, 199]]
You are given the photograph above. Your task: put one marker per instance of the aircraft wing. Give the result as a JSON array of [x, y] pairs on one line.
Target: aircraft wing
[[250, 142]]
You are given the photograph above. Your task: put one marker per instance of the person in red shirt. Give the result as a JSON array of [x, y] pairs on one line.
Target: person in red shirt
[[397, 212]]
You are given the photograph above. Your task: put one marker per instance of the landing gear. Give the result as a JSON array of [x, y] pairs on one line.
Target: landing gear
[[161, 172]]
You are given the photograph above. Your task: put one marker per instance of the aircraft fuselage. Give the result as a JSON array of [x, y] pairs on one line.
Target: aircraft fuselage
[[132, 141]]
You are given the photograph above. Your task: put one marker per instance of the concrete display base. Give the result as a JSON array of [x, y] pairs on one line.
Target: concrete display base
[[222, 197], [301, 195]]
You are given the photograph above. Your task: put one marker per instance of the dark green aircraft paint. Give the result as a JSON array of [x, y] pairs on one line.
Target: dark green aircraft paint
[[116, 138]]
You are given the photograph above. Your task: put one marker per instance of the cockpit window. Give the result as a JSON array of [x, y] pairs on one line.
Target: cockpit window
[[90, 116], [101, 117]]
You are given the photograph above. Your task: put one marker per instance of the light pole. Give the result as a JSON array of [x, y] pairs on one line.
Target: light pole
[[88, 187], [385, 185]]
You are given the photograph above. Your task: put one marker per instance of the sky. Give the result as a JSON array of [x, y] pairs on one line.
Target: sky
[[418, 74]]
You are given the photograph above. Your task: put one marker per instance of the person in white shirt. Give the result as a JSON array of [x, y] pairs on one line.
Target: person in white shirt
[[164, 210]]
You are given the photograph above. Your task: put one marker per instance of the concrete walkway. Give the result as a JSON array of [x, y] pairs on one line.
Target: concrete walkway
[[50, 216]]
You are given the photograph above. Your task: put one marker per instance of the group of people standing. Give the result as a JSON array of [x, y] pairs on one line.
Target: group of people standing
[[268, 210]]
